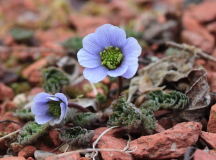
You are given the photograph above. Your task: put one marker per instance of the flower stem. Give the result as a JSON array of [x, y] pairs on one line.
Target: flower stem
[[77, 106], [120, 83]]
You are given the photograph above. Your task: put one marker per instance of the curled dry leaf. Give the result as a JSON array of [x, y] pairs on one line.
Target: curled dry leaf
[[199, 97]]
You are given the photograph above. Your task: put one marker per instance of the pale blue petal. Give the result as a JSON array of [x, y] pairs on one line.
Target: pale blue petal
[[128, 60], [63, 110], [102, 36], [39, 108], [117, 36], [132, 48], [95, 74], [62, 97], [118, 71], [53, 98], [41, 97], [86, 59], [90, 44], [131, 71], [42, 119]]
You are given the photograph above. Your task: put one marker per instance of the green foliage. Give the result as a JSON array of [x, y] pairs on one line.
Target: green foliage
[[21, 33], [84, 119], [74, 43], [148, 120], [170, 100], [25, 114], [20, 87], [131, 33], [54, 79], [125, 114], [76, 136], [31, 131], [100, 98]]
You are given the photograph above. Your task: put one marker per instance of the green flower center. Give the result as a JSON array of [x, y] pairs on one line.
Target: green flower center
[[111, 57], [54, 108]]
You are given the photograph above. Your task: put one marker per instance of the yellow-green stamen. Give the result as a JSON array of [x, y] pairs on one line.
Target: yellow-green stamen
[[54, 108], [111, 57]]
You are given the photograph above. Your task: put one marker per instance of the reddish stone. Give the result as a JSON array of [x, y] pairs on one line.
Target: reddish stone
[[171, 143], [200, 62], [198, 40], [212, 152], [5, 92], [30, 158], [4, 107], [159, 128], [88, 24], [211, 27], [27, 151], [13, 158], [44, 147], [36, 90], [191, 24], [205, 12], [84, 158], [35, 77], [6, 116], [201, 155], [65, 156], [108, 142], [35, 66], [212, 120], [116, 132], [209, 138], [54, 136]]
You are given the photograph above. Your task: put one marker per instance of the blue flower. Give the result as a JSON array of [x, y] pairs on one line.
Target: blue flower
[[109, 52], [49, 108]]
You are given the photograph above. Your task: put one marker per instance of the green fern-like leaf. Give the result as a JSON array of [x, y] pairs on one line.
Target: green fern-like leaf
[[31, 131], [84, 119], [174, 100], [74, 43], [25, 114], [148, 120], [170, 100], [21, 33], [125, 114], [76, 136], [54, 79]]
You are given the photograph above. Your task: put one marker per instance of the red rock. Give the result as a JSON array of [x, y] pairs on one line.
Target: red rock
[[54, 136], [209, 138], [30, 158], [13, 158], [200, 62], [108, 142], [171, 143], [212, 120], [35, 66], [88, 24], [159, 128], [116, 132], [201, 155], [198, 40], [211, 27], [205, 12], [212, 152], [44, 147], [8, 116], [27, 151], [3, 147], [65, 156], [84, 158], [35, 77], [36, 90], [5, 92], [4, 107], [191, 24]]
